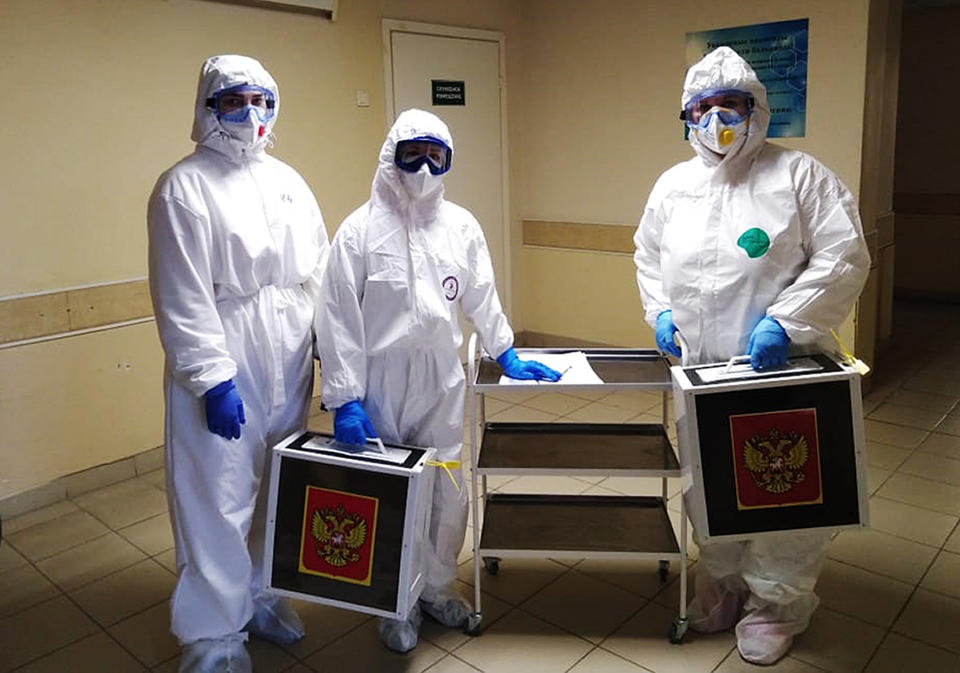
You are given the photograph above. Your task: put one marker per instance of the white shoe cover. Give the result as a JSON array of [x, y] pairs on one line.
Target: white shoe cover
[[401, 635], [761, 640], [715, 606], [216, 655], [277, 623], [447, 607]]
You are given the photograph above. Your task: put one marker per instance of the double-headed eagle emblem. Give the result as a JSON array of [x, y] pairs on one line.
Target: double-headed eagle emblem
[[337, 535], [776, 461]]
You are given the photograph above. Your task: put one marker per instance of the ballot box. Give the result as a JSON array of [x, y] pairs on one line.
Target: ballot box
[[345, 526], [771, 452]]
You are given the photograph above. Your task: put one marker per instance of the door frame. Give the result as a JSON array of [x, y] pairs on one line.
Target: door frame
[[504, 285]]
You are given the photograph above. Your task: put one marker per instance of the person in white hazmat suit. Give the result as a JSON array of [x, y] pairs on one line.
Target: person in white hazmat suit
[[237, 253], [748, 248], [389, 333]]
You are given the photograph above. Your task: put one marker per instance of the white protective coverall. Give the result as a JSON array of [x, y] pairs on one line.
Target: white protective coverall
[[237, 252], [389, 332], [688, 260]]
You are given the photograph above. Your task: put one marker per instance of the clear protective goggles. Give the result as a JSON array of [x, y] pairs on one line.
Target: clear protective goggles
[[234, 104], [732, 106], [413, 153]]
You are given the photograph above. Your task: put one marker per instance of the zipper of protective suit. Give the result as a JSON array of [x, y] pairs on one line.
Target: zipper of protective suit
[[269, 296]]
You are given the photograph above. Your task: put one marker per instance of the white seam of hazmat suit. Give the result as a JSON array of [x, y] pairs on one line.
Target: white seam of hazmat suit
[[237, 252], [688, 261], [388, 326]]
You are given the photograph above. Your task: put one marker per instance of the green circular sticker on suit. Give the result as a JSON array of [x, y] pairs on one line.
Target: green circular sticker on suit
[[755, 241]]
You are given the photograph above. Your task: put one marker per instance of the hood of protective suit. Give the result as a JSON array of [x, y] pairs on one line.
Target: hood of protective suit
[[723, 68], [388, 189], [223, 72]]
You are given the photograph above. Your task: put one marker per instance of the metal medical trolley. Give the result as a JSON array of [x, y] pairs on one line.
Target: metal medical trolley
[[574, 526]]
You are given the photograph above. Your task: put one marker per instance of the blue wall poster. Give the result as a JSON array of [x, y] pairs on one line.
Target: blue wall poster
[[778, 54]]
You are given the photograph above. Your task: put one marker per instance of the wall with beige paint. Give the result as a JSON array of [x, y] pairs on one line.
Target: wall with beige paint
[[601, 84]]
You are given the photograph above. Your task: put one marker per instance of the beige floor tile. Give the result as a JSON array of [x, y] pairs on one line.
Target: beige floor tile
[[299, 667], [922, 493], [361, 650], [517, 395], [125, 593], [640, 578], [933, 467], [493, 405], [599, 412], [944, 575], [52, 537], [98, 652], [643, 640], [602, 661], [449, 639], [582, 605], [886, 456], [913, 523], [898, 435], [861, 594], [147, 635], [928, 401], [157, 477], [521, 642], [950, 425], [10, 558], [734, 663], [876, 477], [123, 504], [323, 624], [98, 477], [881, 553], [168, 560], [450, 664], [932, 618], [641, 486], [150, 461], [898, 654], [637, 401], [152, 536], [940, 383], [522, 414], [556, 403], [517, 580], [909, 416], [90, 561], [38, 516], [267, 657], [40, 630], [546, 485], [836, 643], [22, 588], [942, 445], [953, 542]]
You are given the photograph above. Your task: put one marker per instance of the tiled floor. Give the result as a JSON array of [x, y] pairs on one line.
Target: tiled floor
[[84, 584]]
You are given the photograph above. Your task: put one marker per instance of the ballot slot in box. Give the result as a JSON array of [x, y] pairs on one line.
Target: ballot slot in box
[[775, 451], [346, 526]]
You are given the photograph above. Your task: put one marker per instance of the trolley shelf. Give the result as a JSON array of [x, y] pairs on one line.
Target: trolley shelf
[[639, 450], [577, 526], [617, 367]]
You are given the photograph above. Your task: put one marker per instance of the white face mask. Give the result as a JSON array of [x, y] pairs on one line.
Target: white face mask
[[719, 137], [249, 132], [421, 184]]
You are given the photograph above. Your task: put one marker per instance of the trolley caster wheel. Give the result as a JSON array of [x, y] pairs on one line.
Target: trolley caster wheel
[[678, 630], [492, 565], [664, 571], [474, 621]]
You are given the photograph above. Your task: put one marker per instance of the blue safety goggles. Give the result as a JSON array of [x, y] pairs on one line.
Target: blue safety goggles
[[731, 105], [413, 153], [236, 103]]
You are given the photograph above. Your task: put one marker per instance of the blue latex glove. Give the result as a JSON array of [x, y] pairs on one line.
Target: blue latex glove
[[665, 331], [516, 368], [768, 344], [351, 425], [224, 410]]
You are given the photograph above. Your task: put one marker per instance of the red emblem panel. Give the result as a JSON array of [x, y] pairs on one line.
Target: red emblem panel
[[338, 535], [776, 458]]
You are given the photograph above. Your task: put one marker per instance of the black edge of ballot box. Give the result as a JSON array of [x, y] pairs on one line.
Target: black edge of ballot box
[[345, 526], [777, 451]]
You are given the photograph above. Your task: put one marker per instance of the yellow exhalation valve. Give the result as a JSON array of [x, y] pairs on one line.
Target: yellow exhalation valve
[[727, 136]]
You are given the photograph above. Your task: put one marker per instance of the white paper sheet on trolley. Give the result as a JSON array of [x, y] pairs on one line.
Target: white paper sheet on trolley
[[398, 456], [574, 365], [744, 370]]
